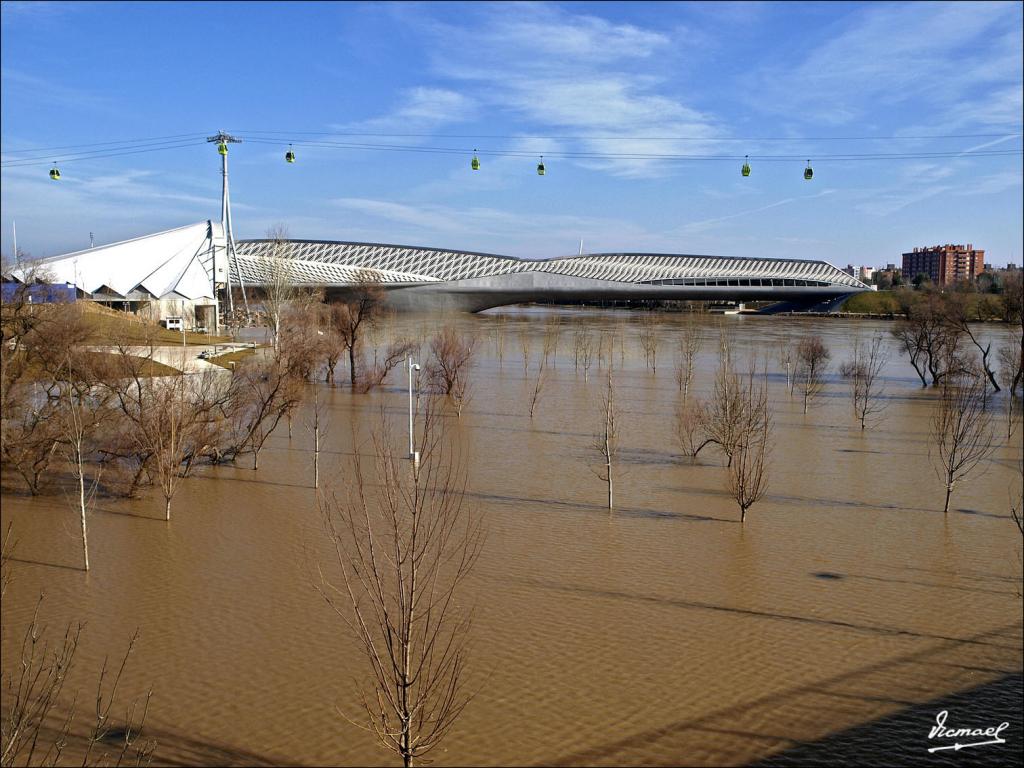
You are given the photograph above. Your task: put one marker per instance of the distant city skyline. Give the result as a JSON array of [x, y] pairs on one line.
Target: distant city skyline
[[611, 94]]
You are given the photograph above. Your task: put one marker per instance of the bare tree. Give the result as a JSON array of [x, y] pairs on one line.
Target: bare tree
[[278, 278], [499, 339], [812, 361], [864, 372], [352, 316], [33, 688], [787, 359], [1011, 373], [315, 423], [748, 471], [583, 341], [957, 317], [725, 416], [552, 332], [524, 346], [450, 365], [606, 442], [689, 345], [538, 386], [961, 433], [375, 374], [77, 424], [262, 393], [169, 435], [1011, 366], [649, 341], [930, 341], [691, 421], [405, 542]]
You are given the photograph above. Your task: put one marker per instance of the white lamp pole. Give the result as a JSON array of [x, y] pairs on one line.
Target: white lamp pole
[[413, 453]]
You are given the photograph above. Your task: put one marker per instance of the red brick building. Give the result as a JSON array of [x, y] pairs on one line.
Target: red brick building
[[944, 264]]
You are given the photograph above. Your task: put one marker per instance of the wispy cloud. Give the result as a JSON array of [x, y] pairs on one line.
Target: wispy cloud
[[466, 227], [888, 54], [706, 224], [41, 90], [419, 110], [578, 75]]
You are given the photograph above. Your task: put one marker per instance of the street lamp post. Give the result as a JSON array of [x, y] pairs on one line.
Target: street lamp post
[[413, 453]]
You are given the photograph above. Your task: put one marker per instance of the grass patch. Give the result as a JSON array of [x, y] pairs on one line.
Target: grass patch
[[116, 365], [108, 326], [235, 356], [874, 303]]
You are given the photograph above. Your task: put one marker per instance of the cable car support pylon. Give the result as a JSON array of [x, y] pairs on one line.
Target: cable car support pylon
[[223, 139]]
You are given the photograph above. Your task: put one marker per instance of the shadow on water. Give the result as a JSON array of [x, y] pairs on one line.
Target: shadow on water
[[672, 602], [902, 739], [996, 702], [622, 512], [830, 576]]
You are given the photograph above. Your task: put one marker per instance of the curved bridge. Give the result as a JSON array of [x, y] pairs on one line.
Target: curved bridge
[[432, 278]]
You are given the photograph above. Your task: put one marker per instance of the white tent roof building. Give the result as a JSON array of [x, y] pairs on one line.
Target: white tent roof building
[[179, 264]]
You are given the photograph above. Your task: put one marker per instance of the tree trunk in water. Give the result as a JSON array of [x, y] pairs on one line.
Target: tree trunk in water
[[352, 365], [85, 535], [949, 491], [255, 460], [743, 514], [167, 510]]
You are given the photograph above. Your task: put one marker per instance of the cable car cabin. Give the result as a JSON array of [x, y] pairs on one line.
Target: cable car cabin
[[808, 173], [540, 168], [745, 170], [475, 165], [289, 156], [55, 174], [222, 148]]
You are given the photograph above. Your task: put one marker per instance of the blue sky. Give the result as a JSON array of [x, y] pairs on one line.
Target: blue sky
[[555, 79]]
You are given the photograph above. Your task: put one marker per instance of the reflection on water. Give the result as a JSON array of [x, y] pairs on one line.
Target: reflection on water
[[661, 633]]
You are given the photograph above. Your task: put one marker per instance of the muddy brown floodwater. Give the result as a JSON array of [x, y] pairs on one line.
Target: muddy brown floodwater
[[663, 632]]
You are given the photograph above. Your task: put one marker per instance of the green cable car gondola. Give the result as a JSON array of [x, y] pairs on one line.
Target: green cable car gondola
[[808, 173], [540, 166], [745, 170], [55, 173], [222, 148], [289, 156], [475, 165]]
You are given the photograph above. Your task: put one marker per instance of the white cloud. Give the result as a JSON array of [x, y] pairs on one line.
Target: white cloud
[[420, 110]]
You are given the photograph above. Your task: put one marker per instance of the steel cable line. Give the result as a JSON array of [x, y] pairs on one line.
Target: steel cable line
[[126, 142], [568, 154], [141, 146], [638, 138], [98, 155]]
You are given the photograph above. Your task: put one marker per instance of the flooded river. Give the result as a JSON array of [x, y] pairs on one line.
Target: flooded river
[[663, 632]]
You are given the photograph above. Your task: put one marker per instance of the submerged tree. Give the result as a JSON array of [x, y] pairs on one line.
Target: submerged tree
[[864, 372], [686, 354], [448, 371], [606, 442], [812, 357], [748, 471], [405, 542], [961, 433]]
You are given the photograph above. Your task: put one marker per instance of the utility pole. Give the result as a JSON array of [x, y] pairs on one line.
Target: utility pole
[[91, 240], [223, 139], [414, 455]]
